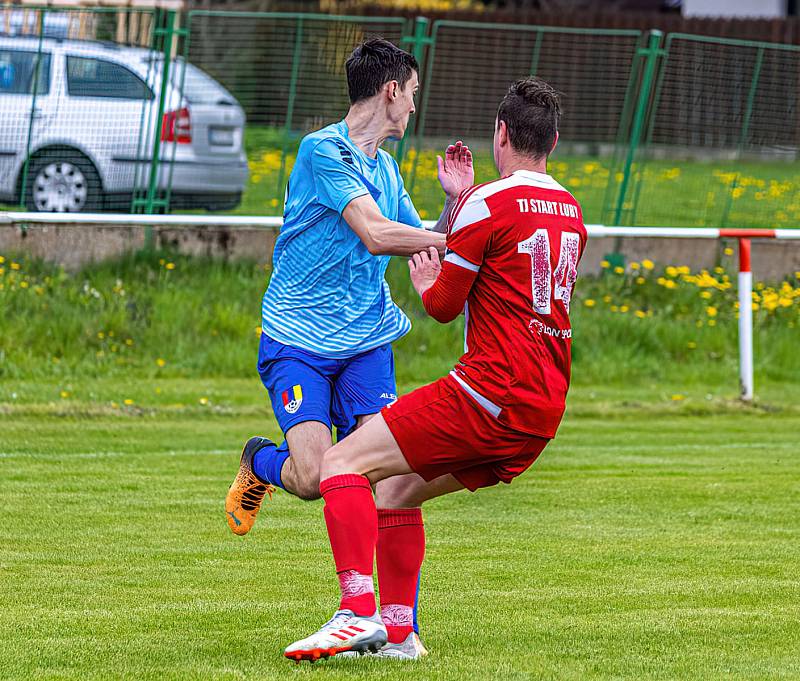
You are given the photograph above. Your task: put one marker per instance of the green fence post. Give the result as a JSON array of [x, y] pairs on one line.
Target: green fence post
[[748, 113], [32, 117], [651, 54], [620, 143], [287, 128], [167, 34], [418, 42], [537, 50]]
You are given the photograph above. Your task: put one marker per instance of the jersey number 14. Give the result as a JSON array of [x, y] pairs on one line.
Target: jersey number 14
[[547, 285]]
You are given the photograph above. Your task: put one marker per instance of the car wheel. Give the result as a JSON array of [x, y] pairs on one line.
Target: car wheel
[[63, 182]]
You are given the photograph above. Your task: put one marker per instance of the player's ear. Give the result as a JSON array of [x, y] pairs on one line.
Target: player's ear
[[555, 143], [502, 133]]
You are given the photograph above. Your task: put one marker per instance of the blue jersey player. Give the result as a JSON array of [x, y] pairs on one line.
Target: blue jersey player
[[328, 319]]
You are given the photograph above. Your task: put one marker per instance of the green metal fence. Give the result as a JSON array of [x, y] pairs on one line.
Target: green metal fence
[[149, 111], [722, 137], [469, 67], [81, 104]]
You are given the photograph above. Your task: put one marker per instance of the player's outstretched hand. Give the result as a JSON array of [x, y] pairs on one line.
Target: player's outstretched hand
[[455, 171], [424, 267]]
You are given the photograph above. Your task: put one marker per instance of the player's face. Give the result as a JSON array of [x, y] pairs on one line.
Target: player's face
[[402, 106]]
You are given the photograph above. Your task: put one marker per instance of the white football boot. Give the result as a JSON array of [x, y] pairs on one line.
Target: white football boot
[[410, 649], [341, 633]]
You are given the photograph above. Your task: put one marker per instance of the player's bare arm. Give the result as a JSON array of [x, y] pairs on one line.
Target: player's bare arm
[[456, 173], [382, 236]]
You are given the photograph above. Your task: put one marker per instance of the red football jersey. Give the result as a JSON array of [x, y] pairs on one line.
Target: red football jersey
[[524, 235]]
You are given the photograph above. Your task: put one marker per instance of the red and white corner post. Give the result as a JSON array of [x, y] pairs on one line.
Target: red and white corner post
[[745, 321]]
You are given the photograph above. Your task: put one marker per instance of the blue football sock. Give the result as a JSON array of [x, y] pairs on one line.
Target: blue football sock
[[416, 605], [268, 463]]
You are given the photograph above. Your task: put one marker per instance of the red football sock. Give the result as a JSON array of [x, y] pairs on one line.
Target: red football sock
[[401, 549], [353, 530]]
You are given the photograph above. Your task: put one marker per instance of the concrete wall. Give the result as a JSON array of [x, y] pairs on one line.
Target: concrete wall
[[75, 246]]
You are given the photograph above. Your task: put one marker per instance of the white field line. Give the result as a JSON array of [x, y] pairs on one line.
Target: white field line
[[101, 455]]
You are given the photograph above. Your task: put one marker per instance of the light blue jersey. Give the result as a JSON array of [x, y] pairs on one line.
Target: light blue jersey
[[328, 294]]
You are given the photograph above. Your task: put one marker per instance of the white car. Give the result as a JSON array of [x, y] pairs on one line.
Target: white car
[[93, 128]]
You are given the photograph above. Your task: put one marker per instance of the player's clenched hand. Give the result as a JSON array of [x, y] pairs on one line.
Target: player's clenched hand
[[455, 171], [424, 268]]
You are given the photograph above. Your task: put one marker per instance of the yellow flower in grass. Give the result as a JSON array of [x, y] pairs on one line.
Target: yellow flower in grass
[[606, 299], [640, 314], [161, 363], [670, 284], [648, 264], [170, 265], [127, 402], [640, 280], [258, 331], [755, 306], [711, 311], [589, 302], [705, 294], [691, 345], [605, 264], [2, 259], [64, 394], [624, 308], [678, 398], [635, 266], [15, 266], [672, 271], [619, 270], [614, 308], [203, 401]]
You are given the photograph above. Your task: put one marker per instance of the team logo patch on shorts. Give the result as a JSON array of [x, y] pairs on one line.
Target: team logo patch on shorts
[[292, 400]]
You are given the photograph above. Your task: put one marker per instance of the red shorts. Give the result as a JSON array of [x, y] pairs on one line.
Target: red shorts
[[441, 429]]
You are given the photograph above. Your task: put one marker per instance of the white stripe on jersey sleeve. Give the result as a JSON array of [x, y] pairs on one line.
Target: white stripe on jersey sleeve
[[456, 259], [474, 210]]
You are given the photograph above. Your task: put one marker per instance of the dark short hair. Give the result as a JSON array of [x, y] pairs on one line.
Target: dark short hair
[[531, 110], [373, 64]]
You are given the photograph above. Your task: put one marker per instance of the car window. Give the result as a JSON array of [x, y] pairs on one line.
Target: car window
[[87, 77], [18, 72], [199, 87]]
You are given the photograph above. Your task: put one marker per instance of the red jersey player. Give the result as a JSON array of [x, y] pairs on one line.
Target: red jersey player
[[513, 247]]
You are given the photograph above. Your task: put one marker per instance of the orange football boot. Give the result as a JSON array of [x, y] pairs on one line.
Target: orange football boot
[[247, 491]]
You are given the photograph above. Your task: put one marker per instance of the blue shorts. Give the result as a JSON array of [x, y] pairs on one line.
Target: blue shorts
[[306, 387]]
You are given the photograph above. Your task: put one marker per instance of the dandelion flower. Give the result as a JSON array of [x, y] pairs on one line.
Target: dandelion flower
[[161, 362], [589, 302], [619, 270], [648, 264], [64, 394], [170, 265], [711, 311], [203, 401], [678, 398], [127, 402], [605, 264]]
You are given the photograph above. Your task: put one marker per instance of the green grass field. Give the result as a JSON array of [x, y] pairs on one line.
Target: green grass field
[[649, 542], [656, 538]]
